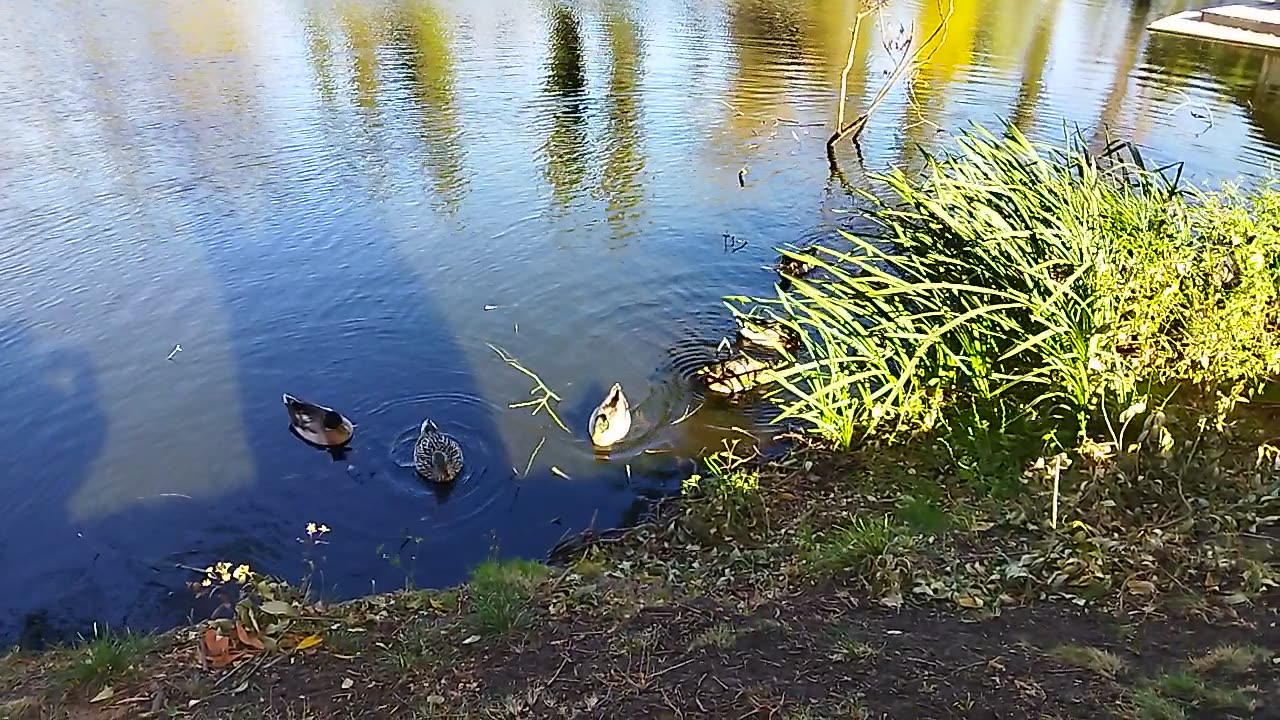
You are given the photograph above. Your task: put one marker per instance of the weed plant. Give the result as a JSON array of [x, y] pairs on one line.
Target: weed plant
[[1032, 295]]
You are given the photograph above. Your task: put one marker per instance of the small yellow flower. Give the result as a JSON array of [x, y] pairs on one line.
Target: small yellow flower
[[324, 529], [206, 582], [241, 573], [311, 528]]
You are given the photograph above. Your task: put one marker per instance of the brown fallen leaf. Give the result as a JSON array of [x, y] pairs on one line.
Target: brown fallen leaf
[[1140, 587], [247, 639], [214, 643], [228, 659]]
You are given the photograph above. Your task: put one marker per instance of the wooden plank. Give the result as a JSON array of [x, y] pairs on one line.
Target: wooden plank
[[1190, 24], [1244, 17]]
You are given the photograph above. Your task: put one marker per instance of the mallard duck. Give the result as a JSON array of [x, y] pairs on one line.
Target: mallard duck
[[611, 421], [769, 334], [735, 375], [437, 457], [789, 267], [318, 424]]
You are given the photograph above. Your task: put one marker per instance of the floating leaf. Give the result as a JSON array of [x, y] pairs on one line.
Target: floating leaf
[[278, 607], [348, 683], [309, 642], [969, 601], [104, 694]]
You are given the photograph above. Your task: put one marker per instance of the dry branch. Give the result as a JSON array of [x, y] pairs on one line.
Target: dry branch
[[911, 59]]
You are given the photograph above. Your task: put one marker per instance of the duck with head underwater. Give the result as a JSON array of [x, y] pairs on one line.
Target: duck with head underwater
[[318, 424], [611, 420], [437, 457]]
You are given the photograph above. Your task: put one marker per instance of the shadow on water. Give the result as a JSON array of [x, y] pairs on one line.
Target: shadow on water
[[306, 326], [48, 392]]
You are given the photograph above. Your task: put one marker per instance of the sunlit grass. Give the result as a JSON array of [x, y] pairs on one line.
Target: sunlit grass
[[850, 548], [1230, 659], [106, 657], [1086, 657], [1028, 288], [499, 594]]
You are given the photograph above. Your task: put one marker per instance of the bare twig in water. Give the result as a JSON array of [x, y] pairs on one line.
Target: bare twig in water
[[542, 401], [557, 471], [909, 61], [529, 466], [688, 413], [725, 103], [1207, 116]]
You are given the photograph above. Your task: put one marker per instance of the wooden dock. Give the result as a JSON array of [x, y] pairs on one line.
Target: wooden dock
[[1251, 25]]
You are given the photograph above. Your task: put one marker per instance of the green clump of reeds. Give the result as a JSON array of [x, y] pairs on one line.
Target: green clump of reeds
[[1049, 287]]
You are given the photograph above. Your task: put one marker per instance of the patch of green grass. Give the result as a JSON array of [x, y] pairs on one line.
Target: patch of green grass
[[1230, 659], [851, 709], [722, 635], [106, 657], [499, 594], [419, 644], [444, 600], [1224, 697], [589, 568], [1086, 657], [1149, 705], [726, 501], [855, 651], [852, 547], [923, 516], [1193, 690], [1180, 685], [346, 641]]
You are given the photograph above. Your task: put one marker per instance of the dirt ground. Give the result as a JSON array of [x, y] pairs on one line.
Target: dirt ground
[[823, 654]]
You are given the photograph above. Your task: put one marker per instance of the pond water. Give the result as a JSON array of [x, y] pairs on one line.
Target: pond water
[[350, 201]]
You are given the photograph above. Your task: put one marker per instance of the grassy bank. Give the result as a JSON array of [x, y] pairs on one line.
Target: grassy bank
[[1032, 468]]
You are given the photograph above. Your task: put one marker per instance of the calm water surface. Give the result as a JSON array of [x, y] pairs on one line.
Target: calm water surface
[[349, 201]]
